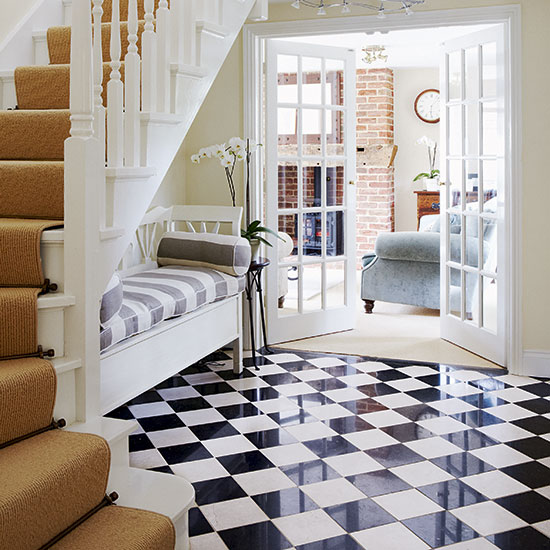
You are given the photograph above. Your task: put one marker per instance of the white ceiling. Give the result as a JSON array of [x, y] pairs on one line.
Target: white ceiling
[[405, 48]]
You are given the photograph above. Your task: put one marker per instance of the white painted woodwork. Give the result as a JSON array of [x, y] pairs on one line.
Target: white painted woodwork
[[474, 111], [305, 320], [149, 57], [132, 122], [51, 252], [115, 95], [163, 57], [40, 46], [65, 401], [51, 311], [260, 11], [8, 97]]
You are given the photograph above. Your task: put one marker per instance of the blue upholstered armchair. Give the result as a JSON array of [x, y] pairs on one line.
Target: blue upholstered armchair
[[404, 268]]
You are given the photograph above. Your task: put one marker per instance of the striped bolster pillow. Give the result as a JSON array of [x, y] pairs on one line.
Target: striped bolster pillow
[[111, 301], [225, 253]]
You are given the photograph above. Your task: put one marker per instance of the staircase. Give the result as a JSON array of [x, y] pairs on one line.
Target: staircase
[[81, 158]]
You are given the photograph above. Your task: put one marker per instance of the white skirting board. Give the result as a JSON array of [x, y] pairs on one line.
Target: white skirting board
[[536, 363]]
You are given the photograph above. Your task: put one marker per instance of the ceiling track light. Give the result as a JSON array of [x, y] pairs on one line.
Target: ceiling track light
[[381, 7]]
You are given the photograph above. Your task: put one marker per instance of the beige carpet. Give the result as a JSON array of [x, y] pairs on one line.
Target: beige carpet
[[396, 332]]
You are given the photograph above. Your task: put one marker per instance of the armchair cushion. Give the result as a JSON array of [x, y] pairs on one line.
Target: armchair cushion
[[409, 246]]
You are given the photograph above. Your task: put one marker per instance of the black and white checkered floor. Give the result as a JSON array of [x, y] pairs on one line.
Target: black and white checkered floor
[[331, 452]]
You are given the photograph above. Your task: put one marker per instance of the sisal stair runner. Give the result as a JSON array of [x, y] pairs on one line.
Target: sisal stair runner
[[52, 482]]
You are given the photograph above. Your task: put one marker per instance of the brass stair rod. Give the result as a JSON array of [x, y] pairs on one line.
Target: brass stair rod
[[55, 425], [40, 354]]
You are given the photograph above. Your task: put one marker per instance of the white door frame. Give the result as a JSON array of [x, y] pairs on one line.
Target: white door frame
[[510, 16]]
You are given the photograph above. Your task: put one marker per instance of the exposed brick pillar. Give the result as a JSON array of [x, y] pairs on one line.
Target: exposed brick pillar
[[375, 183]]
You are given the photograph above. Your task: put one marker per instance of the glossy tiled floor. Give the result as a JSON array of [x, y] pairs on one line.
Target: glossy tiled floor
[[326, 452]]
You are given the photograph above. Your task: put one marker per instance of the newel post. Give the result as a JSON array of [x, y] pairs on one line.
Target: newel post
[[83, 176]]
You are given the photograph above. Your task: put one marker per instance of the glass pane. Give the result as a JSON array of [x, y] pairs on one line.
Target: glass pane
[[288, 184], [288, 249], [311, 182], [313, 233], [454, 254], [311, 131], [455, 130], [472, 129], [471, 79], [489, 57], [455, 292], [335, 284], [313, 284], [288, 290], [334, 127], [471, 225], [311, 80], [472, 181], [472, 297], [335, 233], [287, 129], [455, 75], [334, 69], [490, 129], [489, 185], [455, 185], [335, 184], [490, 237], [490, 307], [287, 79]]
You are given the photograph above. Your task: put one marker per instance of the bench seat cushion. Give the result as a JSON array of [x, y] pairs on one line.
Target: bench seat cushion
[[153, 296]]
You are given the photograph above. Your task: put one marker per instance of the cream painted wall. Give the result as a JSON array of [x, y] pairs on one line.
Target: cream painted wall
[[221, 117], [12, 13], [411, 158]]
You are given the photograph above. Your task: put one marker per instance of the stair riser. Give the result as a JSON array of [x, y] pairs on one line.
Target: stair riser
[[51, 331], [53, 263], [66, 396], [8, 99]]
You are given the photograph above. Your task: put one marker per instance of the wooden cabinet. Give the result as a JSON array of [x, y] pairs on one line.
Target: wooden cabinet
[[427, 203]]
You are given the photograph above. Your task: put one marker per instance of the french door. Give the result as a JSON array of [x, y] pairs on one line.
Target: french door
[[310, 191], [473, 200]]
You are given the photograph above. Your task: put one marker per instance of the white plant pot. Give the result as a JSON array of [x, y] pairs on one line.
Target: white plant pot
[[255, 248], [431, 184]]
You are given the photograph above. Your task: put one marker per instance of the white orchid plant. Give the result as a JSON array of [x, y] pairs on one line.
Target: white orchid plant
[[432, 156], [229, 154]]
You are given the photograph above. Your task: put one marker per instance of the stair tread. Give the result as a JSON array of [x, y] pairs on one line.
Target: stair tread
[[55, 476], [55, 300], [110, 429], [121, 528]]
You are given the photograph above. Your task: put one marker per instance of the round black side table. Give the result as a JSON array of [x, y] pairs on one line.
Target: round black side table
[[254, 280]]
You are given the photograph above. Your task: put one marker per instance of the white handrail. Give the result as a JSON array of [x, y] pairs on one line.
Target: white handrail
[[131, 91], [149, 56], [115, 93]]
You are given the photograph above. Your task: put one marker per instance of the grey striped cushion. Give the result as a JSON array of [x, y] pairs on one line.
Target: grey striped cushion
[[225, 253], [111, 301], [153, 296]]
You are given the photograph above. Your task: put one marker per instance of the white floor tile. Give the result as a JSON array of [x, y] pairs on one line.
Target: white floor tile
[[210, 541], [310, 431], [443, 425], [202, 378], [312, 374], [179, 392], [308, 527], [371, 366], [544, 491], [151, 409], [248, 424], [263, 481], [344, 394], [408, 384], [505, 432], [299, 388], [421, 473], [488, 518], [466, 375], [233, 513], [234, 444], [353, 463], [150, 458], [495, 484], [543, 527], [324, 362], [282, 455], [513, 380], [418, 370], [382, 419], [332, 492], [433, 447], [276, 405], [247, 383], [452, 406], [500, 456], [407, 504], [512, 395], [510, 412], [283, 358], [200, 470], [201, 416], [474, 544], [226, 399], [459, 390], [394, 536], [175, 436], [268, 369], [362, 379], [370, 439], [326, 412], [396, 400]]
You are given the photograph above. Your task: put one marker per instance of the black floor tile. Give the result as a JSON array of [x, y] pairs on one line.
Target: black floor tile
[[122, 413], [526, 538], [408, 432], [258, 535], [305, 473], [541, 389], [440, 529], [217, 490], [214, 389], [292, 417], [284, 503], [191, 404], [250, 461], [213, 430], [172, 382], [239, 411], [469, 440], [311, 400], [538, 425], [394, 455], [327, 384], [344, 542], [150, 396], [462, 464], [477, 419], [270, 438], [162, 422], [538, 406], [378, 483], [363, 406], [260, 394], [198, 524], [177, 454], [330, 446], [348, 425], [282, 378], [530, 507], [532, 474], [452, 494], [359, 515], [139, 442], [534, 447]]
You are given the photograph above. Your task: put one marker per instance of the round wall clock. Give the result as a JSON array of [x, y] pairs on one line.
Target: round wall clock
[[427, 107]]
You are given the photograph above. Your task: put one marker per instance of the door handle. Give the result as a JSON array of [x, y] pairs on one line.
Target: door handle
[[351, 182]]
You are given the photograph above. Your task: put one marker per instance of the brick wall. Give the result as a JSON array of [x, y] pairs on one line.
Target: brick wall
[[375, 184]]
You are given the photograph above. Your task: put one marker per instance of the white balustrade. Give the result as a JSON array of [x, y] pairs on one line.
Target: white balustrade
[[149, 59], [99, 109], [115, 97], [131, 91], [81, 80], [185, 23], [163, 57]]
